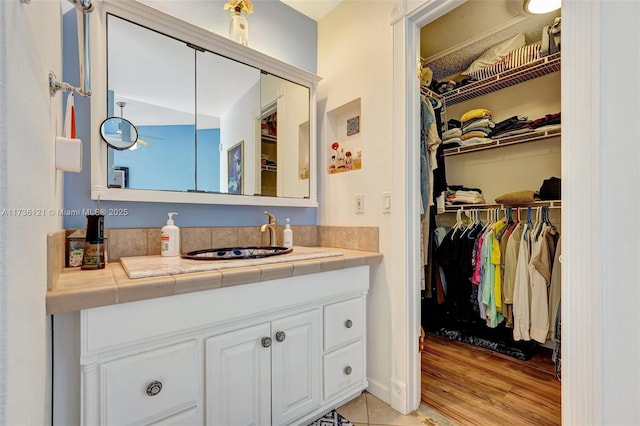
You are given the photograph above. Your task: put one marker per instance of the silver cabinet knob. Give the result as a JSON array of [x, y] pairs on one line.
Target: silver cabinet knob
[[266, 342], [347, 370], [280, 336], [154, 388], [348, 323]]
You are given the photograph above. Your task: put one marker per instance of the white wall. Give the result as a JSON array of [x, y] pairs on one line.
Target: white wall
[[29, 120], [270, 26], [354, 61], [293, 112], [239, 124]]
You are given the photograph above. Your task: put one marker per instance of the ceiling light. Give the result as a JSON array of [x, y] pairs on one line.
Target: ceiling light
[[541, 6]]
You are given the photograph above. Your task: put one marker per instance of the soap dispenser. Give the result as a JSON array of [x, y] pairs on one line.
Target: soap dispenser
[[170, 238], [287, 235]]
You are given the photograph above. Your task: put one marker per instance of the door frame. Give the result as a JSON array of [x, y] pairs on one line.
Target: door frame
[[581, 162]]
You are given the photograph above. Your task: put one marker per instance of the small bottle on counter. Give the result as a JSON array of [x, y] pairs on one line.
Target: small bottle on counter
[[170, 238], [93, 256], [287, 235]]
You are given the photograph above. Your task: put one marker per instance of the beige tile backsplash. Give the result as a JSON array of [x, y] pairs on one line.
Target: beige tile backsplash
[[125, 242], [195, 239], [224, 236]]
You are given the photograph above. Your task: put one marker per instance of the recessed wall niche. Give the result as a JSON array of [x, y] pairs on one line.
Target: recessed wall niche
[[344, 143]]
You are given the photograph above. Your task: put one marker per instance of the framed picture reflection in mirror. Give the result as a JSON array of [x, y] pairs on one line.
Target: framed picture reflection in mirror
[[235, 164]]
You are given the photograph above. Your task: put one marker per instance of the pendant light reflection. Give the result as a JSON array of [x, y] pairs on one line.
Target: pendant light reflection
[[537, 7], [122, 105]]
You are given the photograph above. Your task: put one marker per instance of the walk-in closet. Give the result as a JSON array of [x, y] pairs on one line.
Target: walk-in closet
[[491, 211]]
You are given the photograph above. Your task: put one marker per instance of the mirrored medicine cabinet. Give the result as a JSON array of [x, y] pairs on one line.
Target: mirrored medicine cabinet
[[216, 122]]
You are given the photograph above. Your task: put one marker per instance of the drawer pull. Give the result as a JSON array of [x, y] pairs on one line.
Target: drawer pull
[[266, 342], [348, 323], [347, 370], [154, 388], [280, 336]]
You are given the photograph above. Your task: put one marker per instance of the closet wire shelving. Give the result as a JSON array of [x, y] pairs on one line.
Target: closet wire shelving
[[510, 140], [554, 204], [529, 71]]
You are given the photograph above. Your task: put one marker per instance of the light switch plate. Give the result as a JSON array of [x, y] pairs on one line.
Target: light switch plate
[[386, 202]]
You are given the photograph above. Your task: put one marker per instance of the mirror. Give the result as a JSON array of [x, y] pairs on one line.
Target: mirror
[[118, 133], [206, 123]]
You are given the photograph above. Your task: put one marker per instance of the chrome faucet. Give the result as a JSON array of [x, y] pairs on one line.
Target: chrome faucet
[[271, 226]]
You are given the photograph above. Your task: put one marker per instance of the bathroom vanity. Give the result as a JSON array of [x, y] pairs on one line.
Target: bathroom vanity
[[267, 343], [279, 343]]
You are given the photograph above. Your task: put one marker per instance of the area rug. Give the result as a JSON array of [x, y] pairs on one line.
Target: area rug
[[332, 418]]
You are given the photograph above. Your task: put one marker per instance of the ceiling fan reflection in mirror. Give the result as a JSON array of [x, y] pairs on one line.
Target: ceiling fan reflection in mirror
[[122, 104]]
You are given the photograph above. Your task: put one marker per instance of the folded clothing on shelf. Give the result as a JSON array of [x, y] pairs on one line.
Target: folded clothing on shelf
[[518, 197], [547, 120], [477, 126], [457, 194], [515, 123], [451, 138]]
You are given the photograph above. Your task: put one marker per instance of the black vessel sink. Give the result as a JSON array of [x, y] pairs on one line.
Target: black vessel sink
[[228, 253]]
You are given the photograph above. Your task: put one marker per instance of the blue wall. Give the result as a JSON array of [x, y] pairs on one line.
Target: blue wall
[[273, 24], [169, 162]]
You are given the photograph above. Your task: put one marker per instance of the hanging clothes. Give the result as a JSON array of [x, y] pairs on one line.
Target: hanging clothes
[[532, 282], [454, 256], [426, 119], [555, 290], [432, 180], [510, 265]]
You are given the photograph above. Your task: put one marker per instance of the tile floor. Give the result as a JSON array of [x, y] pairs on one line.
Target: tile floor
[[367, 410]]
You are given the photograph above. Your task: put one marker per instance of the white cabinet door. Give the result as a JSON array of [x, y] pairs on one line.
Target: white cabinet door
[[238, 377], [296, 366]]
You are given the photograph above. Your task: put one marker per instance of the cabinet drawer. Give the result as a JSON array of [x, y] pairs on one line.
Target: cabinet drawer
[[344, 322], [343, 369], [150, 384]]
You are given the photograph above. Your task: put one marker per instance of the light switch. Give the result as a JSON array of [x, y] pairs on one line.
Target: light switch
[[386, 202]]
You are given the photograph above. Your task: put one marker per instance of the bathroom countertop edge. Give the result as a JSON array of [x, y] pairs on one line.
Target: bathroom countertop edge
[[75, 290]]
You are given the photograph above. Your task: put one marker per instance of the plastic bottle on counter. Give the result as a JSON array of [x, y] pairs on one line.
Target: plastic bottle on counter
[[287, 235], [170, 238]]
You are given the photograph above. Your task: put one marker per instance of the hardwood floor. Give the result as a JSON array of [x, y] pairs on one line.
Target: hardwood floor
[[476, 386]]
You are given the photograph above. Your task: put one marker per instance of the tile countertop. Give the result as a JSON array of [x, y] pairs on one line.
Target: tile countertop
[[76, 289]]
